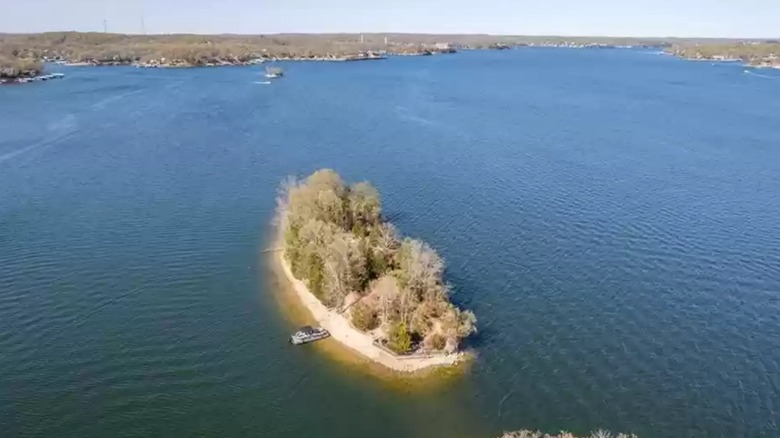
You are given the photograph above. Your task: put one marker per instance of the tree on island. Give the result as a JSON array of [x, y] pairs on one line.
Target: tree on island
[[338, 243], [400, 340]]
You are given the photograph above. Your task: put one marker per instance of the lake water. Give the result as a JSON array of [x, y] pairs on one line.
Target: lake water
[[612, 217]]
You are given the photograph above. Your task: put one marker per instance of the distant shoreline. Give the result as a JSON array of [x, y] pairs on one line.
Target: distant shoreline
[[761, 54], [179, 50], [25, 62]]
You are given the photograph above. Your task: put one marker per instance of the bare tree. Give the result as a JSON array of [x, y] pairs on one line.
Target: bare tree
[[283, 199], [345, 266], [421, 269], [365, 207]]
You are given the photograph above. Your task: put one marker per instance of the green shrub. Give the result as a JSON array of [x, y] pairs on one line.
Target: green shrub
[[315, 274], [400, 339]]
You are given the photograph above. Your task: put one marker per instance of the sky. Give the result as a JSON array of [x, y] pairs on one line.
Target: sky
[[683, 18]]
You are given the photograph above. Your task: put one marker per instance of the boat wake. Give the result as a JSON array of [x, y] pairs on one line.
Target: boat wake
[[8, 156], [749, 72], [58, 131], [406, 114], [39, 145], [262, 82], [101, 104]]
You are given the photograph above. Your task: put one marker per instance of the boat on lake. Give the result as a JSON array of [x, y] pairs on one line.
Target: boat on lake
[[26, 80], [308, 334], [274, 72], [51, 76]]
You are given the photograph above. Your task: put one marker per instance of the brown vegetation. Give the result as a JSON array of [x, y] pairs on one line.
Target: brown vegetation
[[197, 50], [12, 67], [532, 434], [337, 241], [364, 317], [758, 53]]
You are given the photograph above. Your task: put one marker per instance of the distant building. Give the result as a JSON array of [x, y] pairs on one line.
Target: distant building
[[444, 48]]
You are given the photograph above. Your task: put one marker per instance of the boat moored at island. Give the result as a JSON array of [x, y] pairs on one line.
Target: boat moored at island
[[308, 334]]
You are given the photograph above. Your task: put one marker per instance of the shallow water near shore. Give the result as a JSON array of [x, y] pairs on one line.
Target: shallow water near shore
[[611, 216]]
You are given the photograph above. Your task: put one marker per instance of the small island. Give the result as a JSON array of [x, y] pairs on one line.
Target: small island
[[381, 295], [14, 69]]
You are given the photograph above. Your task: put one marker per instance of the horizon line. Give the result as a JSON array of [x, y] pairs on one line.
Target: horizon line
[[668, 37]]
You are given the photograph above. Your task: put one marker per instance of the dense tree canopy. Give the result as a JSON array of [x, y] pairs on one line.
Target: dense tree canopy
[[337, 241]]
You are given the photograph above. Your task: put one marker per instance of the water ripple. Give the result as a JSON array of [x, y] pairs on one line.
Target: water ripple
[[615, 229]]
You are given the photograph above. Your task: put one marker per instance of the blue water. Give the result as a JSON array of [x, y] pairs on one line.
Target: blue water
[[612, 217]]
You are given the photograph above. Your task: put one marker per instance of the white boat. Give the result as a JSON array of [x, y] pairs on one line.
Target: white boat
[[308, 334], [273, 72]]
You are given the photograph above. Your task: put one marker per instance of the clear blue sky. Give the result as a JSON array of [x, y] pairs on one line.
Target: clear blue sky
[[717, 18]]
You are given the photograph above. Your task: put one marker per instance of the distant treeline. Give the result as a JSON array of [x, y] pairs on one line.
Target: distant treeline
[[197, 50], [103, 48], [532, 434], [751, 52], [106, 48]]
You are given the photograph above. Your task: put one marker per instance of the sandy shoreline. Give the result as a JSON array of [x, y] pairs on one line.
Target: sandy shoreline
[[343, 332]]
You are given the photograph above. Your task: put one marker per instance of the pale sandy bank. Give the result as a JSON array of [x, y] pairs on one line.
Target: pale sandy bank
[[342, 331]]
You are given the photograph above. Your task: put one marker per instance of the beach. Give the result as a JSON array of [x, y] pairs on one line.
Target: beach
[[361, 343]]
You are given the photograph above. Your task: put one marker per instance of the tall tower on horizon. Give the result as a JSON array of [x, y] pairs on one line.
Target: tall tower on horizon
[[143, 18]]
